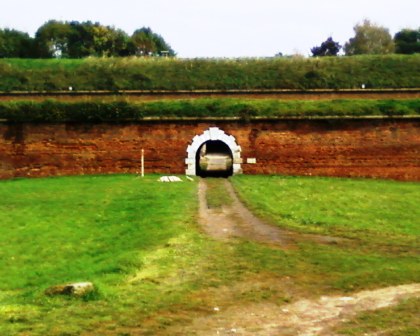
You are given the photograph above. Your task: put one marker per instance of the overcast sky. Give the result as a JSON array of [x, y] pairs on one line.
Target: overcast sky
[[222, 28]]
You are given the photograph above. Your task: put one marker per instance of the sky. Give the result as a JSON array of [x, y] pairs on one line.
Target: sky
[[222, 28]]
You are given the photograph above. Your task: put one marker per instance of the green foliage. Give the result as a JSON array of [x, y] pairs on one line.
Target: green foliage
[[370, 39], [73, 39], [120, 110], [390, 71], [147, 43], [407, 41], [14, 43], [328, 48]]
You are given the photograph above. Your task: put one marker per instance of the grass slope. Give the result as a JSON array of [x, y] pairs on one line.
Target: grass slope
[[245, 109], [138, 241], [384, 71]]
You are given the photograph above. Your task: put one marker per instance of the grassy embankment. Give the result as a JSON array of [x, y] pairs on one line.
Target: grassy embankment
[[96, 111], [386, 71], [139, 243]]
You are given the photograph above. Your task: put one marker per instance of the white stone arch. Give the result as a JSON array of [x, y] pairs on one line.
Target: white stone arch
[[213, 134]]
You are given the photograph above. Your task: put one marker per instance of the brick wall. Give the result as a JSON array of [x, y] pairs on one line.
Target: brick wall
[[387, 148]]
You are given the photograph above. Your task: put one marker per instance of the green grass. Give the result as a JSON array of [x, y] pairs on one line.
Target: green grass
[[244, 109], [100, 229], [100, 226], [384, 71], [369, 210], [378, 217], [216, 193], [402, 320], [138, 241]]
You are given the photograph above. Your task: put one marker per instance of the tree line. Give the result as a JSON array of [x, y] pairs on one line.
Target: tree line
[[73, 39], [372, 39]]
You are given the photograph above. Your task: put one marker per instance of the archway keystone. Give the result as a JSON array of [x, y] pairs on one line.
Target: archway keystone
[[213, 134]]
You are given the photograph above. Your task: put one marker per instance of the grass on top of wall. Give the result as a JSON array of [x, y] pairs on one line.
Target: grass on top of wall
[[383, 71], [56, 111]]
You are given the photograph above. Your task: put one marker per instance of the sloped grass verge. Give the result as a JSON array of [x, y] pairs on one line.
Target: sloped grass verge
[[131, 73], [244, 109]]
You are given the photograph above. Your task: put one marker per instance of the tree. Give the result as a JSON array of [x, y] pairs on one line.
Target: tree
[[407, 41], [73, 39], [369, 39], [52, 39], [147, 43], [327, 48], [14, 43]]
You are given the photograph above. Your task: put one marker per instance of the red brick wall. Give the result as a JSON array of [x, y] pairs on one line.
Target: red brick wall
[[388, 148]]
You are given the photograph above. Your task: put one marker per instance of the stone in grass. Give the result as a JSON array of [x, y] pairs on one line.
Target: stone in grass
[[170, 179], [74, 289]]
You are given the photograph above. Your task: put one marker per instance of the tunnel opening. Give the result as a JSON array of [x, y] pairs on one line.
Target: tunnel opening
[[214, 159]]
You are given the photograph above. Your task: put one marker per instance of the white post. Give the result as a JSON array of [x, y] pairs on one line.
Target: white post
[[142, 163]]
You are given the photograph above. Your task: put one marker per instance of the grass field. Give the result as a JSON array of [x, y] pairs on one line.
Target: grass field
[[382, 210], [375, 71], [138, 241]]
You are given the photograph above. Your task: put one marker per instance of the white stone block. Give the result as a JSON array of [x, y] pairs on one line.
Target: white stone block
[[236, 167], [205, 137], [190, 171]]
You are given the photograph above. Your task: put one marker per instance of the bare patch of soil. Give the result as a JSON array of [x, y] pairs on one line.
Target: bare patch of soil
[[303, 318]]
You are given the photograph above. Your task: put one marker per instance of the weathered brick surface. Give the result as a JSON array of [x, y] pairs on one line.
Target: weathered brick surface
[[388, 148]]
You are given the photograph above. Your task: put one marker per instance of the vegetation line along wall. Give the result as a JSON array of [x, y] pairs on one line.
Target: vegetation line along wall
[[94, 111]]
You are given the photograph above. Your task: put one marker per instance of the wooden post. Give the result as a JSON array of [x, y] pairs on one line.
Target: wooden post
[[142, 163]]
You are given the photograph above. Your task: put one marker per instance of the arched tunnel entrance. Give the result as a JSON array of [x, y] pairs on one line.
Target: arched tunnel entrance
[[214, 159], [213, 153]]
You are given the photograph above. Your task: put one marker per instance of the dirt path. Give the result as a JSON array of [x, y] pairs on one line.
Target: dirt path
[[303, 317], [236, 221]]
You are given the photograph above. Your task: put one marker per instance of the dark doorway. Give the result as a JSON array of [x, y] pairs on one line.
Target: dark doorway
[[214, 159]]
